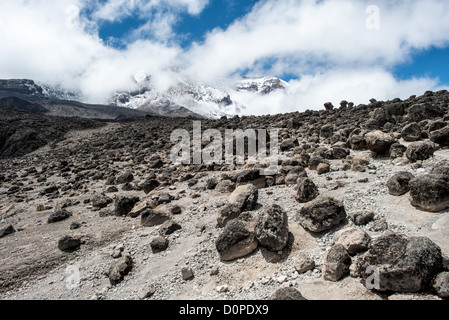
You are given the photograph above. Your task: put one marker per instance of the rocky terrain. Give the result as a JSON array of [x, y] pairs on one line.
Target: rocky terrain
[[361, 191]]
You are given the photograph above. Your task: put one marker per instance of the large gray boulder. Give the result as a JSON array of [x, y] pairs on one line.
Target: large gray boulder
[[430, 192], [411, 132], [398, 184], [237, 240], [322, 214], [379, 142], [441, 136], [420, 151], [336, 264], [272, 228], [404, 264], [307, 190], [245, 197]]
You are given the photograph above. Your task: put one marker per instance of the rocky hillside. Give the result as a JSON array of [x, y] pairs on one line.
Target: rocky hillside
[[23, 94], [22, 132], [357, 210]]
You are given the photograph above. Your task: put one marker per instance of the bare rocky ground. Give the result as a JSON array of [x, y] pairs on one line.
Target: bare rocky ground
[[80, 172]]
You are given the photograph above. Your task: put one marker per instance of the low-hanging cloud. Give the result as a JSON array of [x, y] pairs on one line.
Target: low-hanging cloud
[[326, 45]]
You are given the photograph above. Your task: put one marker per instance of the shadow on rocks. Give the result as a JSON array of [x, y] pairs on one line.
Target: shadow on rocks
[[279, 257]]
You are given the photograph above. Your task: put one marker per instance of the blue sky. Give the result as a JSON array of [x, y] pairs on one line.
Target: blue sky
[[429, 63], [328, 50], [433, 63]]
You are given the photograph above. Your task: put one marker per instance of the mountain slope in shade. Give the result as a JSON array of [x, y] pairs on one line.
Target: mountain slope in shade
[[25, 94]]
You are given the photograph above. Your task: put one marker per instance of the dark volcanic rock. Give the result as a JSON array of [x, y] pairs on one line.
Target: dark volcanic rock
[[159, 244], [100, 201], [149, 185], [405, 264], [420, 151], [58, 215], [424, 111], [228, 213], [237, 240], [245, 197], [124, 178], [441, 284], [411, 132], [124, 205], [397, 150], [441, 136], [287, 293], [399, 183], [379, 142], [119, 269], [7, 231], [362, 217], [150, 218], [322, 214], [430, 192], [272, 228], [69, 244], [307, 191], [336, 264]]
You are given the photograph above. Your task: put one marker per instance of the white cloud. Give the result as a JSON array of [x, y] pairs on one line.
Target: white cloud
[[327, 33], [312, 91], [325, 43]]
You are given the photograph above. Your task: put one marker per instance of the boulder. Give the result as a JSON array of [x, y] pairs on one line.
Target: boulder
[[140, 207], [354, 240], [149, 185], [225, 186], [357, 142], [327, 131], [119, 269], [322, 214], [69, 244], [124, 205], [7, 231], [379, 142], [399, 183], [420, 151], [424, 111], [307, 191], [441, 285], [323, 168], [169, 227], [227, 213], [359, 162], [411, 132], [159, 244], [440, 136], [404, 264], [430, 192], [245, 197], [126, 177], [336, 264], [151, 218], [397, 150], [272, 228], [287, 293], [361, 217], [58, 215], [100, 201], [303, 263], [237, 240]]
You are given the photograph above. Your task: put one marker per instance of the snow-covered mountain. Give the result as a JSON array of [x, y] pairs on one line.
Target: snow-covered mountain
[[185, 98], [201, 99]]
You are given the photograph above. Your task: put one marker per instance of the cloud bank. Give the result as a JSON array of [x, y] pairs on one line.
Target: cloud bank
[[333, 49]]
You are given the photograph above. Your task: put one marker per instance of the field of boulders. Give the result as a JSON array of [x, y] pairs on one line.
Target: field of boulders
[[359, 209]]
